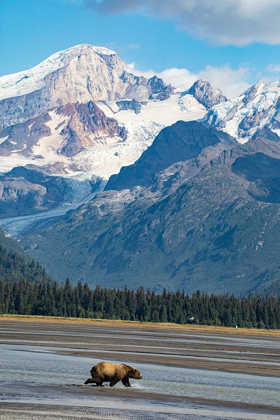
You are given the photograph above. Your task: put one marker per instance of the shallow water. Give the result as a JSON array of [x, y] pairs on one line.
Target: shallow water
[[35, 364], [162, 351], [175, 338]]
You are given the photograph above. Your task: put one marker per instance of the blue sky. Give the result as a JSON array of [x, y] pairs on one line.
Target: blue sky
[[233, 46]]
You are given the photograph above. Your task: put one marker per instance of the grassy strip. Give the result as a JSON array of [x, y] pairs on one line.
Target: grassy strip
[[187, 327]]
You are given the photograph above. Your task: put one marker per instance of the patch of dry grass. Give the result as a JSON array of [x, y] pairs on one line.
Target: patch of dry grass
[[136, 324]]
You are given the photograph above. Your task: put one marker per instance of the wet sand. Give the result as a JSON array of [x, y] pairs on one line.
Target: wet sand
[[234, 351], [228, 350], [111, 403]]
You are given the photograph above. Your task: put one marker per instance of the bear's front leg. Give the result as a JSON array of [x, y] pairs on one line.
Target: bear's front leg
[[126, 382]]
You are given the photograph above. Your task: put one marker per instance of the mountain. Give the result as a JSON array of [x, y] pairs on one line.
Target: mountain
[[273, 289], [177, 143], [48, 145], [203, 92], [76, 119], [208, 222], [50, 113], [186, 206], [257, 108], [56, 135], [11, 246], [78, 74]]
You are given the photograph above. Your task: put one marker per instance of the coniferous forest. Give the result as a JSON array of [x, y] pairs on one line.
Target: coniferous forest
[[27, 289], [13, 267], [50, 299]]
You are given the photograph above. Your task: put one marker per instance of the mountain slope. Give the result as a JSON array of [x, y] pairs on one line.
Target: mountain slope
[[73, 148], [76, 127], [176, 143], [213, 229], [28, 81], [90, 137], [15, 265], [25, 191]]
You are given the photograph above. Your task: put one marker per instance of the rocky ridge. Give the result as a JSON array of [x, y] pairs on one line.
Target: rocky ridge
[[178, 143]]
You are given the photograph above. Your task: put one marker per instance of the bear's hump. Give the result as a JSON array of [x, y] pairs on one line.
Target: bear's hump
[[119, 370], [106, 368]]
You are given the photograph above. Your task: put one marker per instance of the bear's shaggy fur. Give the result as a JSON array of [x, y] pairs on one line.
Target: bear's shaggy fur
[[113, 373]]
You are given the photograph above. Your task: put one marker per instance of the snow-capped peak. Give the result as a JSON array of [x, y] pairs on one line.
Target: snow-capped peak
[[79, 74], [255, 109], [30, 80], [259, 86]]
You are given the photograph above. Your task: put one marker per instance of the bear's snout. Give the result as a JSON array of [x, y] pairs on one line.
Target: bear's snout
[[137, 374]]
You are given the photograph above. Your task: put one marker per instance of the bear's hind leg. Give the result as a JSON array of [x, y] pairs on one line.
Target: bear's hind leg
[[99, 383], [89, 381]]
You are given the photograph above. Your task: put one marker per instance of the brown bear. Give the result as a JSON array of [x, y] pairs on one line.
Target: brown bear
[[113, 373]]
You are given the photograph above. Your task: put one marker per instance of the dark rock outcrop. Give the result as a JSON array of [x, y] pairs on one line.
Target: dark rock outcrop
[[86, 121], [265, 133], [24, 136], [133, 105], [205, 94], [159, 90]]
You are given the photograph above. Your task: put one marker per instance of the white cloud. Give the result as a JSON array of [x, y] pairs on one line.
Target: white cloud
[[273, 68], [134, 46], [231, 82], [227, 22]]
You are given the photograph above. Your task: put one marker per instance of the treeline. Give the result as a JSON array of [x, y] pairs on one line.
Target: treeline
[[51, 299], [14, 267]]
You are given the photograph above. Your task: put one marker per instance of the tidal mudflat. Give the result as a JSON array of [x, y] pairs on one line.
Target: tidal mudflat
[[187, 372]]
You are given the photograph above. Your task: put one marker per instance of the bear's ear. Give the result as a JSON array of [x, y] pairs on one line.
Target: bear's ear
[[133, 370]]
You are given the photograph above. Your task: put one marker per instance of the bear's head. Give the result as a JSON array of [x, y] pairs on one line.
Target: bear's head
[[134, 373]]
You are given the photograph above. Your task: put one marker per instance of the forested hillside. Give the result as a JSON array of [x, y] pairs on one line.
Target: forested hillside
[[15, 265], [13, 268]]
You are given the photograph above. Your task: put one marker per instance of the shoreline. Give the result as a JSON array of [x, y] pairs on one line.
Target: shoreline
[[192, 347], [137, 324], [187, 370]]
